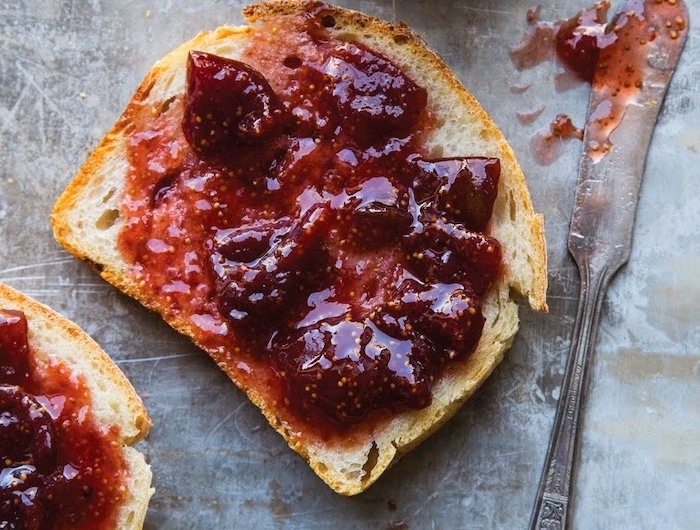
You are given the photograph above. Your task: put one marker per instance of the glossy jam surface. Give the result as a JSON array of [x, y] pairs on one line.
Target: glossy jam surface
[[579, 40], [575, 41], [286, 211], [615, 57], [57, 469]]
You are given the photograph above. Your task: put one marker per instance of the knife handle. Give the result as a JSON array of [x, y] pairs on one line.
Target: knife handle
[[552, 506]]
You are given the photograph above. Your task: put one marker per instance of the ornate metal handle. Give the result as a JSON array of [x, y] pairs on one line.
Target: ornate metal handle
[[551, 511]]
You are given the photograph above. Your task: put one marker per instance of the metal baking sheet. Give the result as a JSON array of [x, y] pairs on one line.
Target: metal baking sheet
[[67, 69]]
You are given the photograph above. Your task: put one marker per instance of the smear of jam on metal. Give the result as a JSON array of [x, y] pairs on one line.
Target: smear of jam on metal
[[547, 144], [612, 56], [623, 65], [530, 115]]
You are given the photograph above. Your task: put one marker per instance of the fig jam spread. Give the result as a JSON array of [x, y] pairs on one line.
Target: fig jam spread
[[58, 469], [285, 211]]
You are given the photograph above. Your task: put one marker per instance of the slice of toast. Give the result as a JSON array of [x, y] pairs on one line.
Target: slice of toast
[[89, 217], [114, 405]]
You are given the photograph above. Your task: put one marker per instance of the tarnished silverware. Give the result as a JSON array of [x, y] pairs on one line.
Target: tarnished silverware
[[628, 89]]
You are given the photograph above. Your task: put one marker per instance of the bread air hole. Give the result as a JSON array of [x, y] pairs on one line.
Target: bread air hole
[[371, 462], [401, 39], [97, 267], [292, 61], [166, 104], [514, 294], [107, 219], [513, 208], [108, 196]]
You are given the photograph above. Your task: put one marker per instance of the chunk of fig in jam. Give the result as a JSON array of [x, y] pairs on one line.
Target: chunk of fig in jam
[[26, 430], [374, 96], [580, 39], [379, 214], [465, 188], [228, 105], [448, 313], [346, 369], [448, 253], [290, 268], [14, 349], [249, 242], [377, 225]]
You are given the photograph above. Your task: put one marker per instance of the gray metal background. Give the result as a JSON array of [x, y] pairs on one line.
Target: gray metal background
[[68, 67]]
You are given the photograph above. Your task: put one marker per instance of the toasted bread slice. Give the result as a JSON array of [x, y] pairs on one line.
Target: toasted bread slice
[[113, 402], [88, 218]]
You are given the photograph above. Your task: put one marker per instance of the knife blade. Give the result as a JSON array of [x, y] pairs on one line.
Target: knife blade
[[628, 88]]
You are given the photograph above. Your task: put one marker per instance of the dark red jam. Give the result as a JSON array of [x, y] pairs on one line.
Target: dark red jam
[[286, 212], [58, 469], [579, 40], [576, 41], [614, 56]]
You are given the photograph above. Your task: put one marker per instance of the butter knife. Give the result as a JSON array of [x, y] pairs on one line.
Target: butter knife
[[628, 89]]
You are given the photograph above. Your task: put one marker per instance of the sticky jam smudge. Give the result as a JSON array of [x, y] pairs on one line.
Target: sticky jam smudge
[[612, 56]]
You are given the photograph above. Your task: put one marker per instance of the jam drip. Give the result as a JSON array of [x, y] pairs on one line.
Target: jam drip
[[353, 264], [51, 476]]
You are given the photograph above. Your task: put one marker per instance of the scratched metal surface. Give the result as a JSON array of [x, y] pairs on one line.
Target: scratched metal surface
[[68, 67]]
